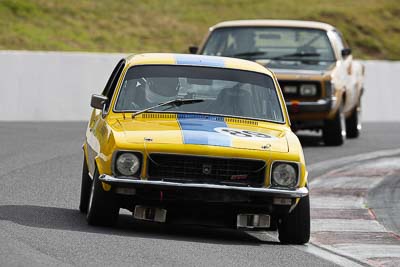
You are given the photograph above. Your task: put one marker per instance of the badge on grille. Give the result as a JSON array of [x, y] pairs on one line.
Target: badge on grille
[[239, 177], [207, 169]]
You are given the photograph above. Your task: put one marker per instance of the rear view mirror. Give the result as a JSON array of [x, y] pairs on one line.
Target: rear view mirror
[[199, 81], [269, 36], [193, 49], [98, 101]]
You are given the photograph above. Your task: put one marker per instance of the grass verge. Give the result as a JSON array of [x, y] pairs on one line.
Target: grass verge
[[371, 27]]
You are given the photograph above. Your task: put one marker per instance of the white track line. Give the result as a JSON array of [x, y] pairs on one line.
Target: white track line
[[335, 163], [337, 191]]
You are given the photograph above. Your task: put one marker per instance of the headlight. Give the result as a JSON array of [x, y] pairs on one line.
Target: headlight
[[290, 89], [127, 164], [329, 88], [285, 174], [308, 89]]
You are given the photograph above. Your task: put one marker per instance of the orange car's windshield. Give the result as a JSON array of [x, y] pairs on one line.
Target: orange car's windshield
[[281, 43]]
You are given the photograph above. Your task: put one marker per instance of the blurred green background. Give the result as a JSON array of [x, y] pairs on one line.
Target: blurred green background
[[371, 27]]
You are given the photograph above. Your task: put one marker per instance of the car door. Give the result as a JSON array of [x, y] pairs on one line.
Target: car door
[[346, 72], [97, 127]]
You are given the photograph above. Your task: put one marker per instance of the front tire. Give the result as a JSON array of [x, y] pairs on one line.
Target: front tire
[[102, 207], [353, 123], [295, 227], [85, 188], [334, 131]]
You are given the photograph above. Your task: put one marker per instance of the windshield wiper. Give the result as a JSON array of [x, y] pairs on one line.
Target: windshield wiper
[[249, 54], [297, 55], [176, 102]]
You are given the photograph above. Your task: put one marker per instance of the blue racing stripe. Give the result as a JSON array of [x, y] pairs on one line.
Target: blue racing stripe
[[199, 130], [198, 60]]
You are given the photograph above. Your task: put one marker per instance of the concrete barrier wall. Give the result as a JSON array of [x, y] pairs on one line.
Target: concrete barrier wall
[[382, 91], [51, 85], [44, 86]]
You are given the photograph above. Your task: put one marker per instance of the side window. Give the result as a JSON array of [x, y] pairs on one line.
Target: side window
[[113, 80], [345, 45], [339, 41]]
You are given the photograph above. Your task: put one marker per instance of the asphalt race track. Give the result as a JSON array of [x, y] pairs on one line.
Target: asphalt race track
[[40, 169]]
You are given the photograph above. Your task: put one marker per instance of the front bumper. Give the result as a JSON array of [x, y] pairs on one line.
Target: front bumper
[[319, 106], [160, 185]]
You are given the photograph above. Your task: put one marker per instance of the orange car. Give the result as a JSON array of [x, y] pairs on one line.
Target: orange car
[[321, 82]]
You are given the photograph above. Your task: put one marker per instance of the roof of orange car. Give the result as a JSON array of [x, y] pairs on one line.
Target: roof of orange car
[[195, 60], [274, 23]]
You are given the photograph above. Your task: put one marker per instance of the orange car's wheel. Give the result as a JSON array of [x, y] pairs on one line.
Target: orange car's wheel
[[353, 123], [102, 207], [85, 188], [295, 227], [334, 131]]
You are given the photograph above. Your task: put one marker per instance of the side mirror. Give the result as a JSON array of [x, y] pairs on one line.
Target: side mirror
[[193, 49], [98, 101], [346, 52]]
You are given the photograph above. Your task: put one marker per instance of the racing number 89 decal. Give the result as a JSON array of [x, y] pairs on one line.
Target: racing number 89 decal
[[241, 133]]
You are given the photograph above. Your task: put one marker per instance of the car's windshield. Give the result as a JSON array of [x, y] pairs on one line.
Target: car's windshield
[[225, 92], [277, 43]]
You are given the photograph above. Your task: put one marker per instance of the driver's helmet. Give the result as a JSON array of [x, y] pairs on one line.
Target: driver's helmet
[[160, 89]]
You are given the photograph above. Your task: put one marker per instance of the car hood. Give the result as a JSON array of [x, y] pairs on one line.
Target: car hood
[[204, 131]]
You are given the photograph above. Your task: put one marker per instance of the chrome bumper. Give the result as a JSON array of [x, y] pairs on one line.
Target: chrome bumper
[[322, 105], [296, 193]]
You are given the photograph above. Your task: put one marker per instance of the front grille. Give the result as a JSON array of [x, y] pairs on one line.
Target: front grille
[[297, 84], [198, 169]]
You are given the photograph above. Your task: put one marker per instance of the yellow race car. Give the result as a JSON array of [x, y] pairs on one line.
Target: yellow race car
[[195, 140]]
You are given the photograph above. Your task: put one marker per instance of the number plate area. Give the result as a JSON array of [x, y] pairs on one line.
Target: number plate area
[[150, 214], [253, 221]]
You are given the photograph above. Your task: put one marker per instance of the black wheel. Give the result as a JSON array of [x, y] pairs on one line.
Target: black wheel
[[295, 227], [85, 188], [102, 208], [334, 131], [353, 123]]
